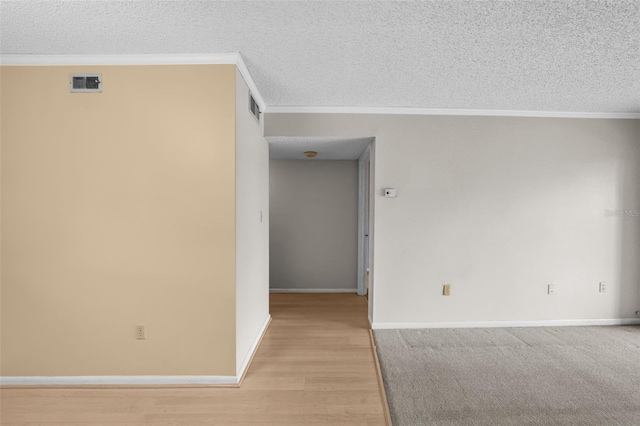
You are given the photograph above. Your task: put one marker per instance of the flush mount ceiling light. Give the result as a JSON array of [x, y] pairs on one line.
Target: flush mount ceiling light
[[310, 154]]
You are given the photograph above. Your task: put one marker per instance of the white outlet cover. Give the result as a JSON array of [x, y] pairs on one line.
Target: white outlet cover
[[390, 192], [551, 289], [141, 332]]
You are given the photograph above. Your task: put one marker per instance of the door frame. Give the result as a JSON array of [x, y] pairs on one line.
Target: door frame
[[365, 162]]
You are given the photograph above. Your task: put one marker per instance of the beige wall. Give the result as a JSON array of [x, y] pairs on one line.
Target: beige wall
[[252, 226], [118, 209], [499, 208], [314, 224]]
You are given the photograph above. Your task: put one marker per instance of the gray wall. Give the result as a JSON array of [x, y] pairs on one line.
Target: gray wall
[[499, 208], [313, 226]]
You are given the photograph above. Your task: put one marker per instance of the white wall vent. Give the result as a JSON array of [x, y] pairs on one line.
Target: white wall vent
[[254, 108], [86, 83]]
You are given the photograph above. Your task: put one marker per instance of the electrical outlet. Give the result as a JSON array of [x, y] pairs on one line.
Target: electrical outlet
[[140, 332], [551, 289], [603, 287], [446, 290]]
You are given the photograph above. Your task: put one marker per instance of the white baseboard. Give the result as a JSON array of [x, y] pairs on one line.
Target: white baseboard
[[495, 324], [232, 381], [313, 290], [117, 380], [252, 350]]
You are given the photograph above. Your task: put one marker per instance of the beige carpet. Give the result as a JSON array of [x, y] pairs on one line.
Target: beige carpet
[[512, 376]]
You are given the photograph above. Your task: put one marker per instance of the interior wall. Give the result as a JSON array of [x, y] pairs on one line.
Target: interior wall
[[252, 226], [313, 226], [498, 207], [118, 209]]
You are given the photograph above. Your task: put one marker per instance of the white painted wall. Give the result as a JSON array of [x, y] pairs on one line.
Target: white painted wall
[[252, 234], [314, 219], [499, 208]]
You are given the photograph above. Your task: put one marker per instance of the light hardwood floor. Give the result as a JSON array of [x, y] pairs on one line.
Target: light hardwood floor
[[314, 366]]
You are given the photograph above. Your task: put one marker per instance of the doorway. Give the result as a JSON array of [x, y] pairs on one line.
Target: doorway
[[364, 213], [312, 203]]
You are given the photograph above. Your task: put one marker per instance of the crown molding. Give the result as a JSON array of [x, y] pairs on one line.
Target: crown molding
[[142, 59], [232, 58], [244, 71], [446, 111]]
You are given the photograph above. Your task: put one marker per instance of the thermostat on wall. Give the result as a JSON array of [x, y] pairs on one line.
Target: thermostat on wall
[[390, 193]]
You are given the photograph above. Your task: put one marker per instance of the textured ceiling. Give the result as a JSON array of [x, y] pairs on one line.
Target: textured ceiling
[[580, 56], [328, 148]]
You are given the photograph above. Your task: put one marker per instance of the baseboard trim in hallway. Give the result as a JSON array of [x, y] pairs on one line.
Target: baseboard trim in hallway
[[383, 393], [313, 290], [242, 372]]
